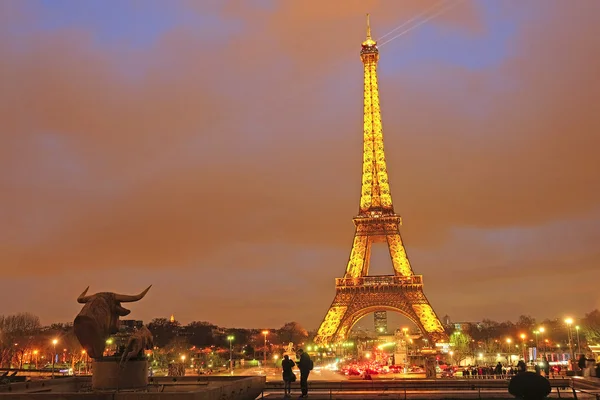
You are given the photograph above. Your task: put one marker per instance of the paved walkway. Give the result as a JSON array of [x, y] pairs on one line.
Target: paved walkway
[[417, 395]]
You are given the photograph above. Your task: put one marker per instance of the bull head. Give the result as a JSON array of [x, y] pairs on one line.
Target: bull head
[[99, 318]]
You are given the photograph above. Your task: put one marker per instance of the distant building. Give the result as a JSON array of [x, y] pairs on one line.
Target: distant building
[[466, 327], [130, 324], [446, 321], [381, 326]]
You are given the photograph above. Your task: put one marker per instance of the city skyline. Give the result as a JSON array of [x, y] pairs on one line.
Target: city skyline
[[214, 150]]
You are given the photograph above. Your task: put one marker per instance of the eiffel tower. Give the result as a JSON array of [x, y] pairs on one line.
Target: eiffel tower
[[357, 293]]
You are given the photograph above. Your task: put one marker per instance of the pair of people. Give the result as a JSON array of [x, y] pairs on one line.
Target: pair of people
[[305, 365]]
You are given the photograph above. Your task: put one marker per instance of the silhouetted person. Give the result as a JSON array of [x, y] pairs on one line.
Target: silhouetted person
[[498, 370], [521, 366], [546, 366], [305, 365], [529, 386], [581, 363], [288, 374]]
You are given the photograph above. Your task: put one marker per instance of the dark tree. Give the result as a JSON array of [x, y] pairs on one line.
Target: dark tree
[[591, 326], [525, 322], [200, 333], [163, 330], [17, 334], [292, 332]]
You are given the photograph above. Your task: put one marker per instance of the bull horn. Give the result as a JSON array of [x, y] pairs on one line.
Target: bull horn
[[124, 298], [82, 297]]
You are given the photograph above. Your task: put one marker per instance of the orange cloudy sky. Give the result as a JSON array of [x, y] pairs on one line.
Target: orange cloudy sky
[[213, 149]]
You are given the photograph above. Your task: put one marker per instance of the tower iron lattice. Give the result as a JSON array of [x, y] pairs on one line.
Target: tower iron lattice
[[358, 293]]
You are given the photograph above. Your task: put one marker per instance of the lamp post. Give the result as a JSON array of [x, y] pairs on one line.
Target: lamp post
[[508, 357], [80, 361], [542, 330], [578, 345], [569, 322], [265, 352], [537, 345], [230, 338], [523, 336], [405, 331], [54, 342], [35, 353]]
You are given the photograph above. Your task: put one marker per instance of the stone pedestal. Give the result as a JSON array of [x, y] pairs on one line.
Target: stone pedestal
[[107, 374]]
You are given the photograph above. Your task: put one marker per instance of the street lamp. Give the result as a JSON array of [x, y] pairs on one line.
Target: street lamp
[[569, 322], [508, 357], [35, 353], [537, 346], [84, 359], [405, 331], [578, 345], [54, 342], [523, 336], [230, 338], [265, 352], [542, 330]]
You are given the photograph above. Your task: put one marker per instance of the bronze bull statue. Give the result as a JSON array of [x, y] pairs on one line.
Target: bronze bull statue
[[99, 318], [139, 341]]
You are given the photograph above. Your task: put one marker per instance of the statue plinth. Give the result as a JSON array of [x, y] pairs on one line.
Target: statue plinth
[[110, 374]]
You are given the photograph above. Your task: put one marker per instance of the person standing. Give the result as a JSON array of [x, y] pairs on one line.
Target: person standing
[[546, 365], [521, 366], [498, 369], [582, 363], [288, 375], [305, 364]]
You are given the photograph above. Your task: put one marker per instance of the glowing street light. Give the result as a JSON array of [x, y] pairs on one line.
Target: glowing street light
[[578, 345], [405, 330], [85, 364], [230, 338], [523, 336], [54, 342], [265, 332], [542, 330], [569, 322]]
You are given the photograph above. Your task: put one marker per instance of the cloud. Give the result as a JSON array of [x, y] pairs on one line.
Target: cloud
[[209, 143]]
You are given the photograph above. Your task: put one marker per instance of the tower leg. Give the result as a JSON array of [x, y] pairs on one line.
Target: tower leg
[[331, 323]]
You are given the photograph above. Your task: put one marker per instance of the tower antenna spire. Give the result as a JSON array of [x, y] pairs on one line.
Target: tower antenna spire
[[368, 27]]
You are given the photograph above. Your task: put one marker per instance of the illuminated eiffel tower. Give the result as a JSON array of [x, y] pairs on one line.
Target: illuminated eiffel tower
[[357, 293]]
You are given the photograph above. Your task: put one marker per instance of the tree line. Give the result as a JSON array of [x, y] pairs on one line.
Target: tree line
[[23, 339]]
